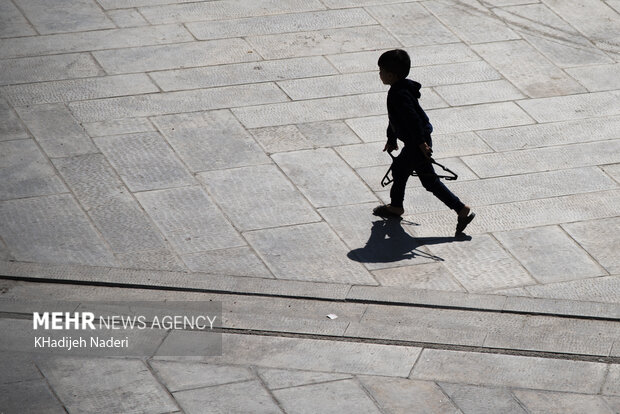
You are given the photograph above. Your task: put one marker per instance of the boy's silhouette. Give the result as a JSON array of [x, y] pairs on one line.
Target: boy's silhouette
[[409, 123]]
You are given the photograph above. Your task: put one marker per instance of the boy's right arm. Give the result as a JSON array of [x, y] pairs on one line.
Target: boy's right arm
[[392, 143]]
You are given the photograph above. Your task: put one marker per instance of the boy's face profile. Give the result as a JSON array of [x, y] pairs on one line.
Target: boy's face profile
[[388, 78]]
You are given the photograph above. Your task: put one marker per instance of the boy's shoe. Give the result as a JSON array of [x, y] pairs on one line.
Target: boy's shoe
[[462, 223], [387, 211]]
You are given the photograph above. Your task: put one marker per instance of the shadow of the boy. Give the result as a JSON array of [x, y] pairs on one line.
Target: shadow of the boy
[[389, 242]]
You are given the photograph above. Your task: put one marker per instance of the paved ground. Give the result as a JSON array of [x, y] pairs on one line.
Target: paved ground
[[230, 150]]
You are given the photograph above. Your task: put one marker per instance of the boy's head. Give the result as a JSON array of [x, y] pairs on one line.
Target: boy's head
[[394, 65]]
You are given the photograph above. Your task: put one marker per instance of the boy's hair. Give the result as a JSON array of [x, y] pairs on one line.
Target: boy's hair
[[396, 61]]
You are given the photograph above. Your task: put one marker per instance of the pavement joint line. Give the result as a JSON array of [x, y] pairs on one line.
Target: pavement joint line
[[285, 296]]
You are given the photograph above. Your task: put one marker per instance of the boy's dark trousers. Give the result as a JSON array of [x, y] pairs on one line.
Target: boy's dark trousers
[[412, 159]]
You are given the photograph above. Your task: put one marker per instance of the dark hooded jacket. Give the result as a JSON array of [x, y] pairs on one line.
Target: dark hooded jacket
[[408, 121]]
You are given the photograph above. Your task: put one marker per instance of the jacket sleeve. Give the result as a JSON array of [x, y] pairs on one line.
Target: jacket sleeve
[[391, 136], [410, 124]]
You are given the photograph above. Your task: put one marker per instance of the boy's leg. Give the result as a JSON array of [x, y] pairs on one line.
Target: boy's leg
[[402, 167], [432, 183]]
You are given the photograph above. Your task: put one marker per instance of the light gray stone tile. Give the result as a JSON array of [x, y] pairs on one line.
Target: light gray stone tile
[[175, 56], [567, 54], [281, 139], [114, 211], [558, 306], [549, 254], [613, 170], [310, 252], [242, 73], [544, 159], [454, 73], [118, 127], [51, 229], [286, 23], [547, 402], [323, 177], [12, 22], [176, 102], [509, 371], [241, 397], [210, 140], [281, 378], [458, 145], [482, 92], [600, 289], [55, 129], [402, 396], [163, 260], [600, 239], [612, 383], [258, 197], [475, 399], [122, 4], [114, 385], [227, 9], [481, 264], [328, 134], [315, 110], [25, 171], [318, 355], [322, 42], [93, 40], [613, 402], [144, 161], [29, 397], [364, 155], [78, 89], [238, 261], [420, 55], [127, 18], [431, 276], [369, 129], [179, 376], [535, 75], [564, 108], [336, 85], [46, 68], [189, 220], [334, 397], [597, 78], [353, 3], [471, 21], [66, 16], [475, 117], [556, 133], [10, 125]]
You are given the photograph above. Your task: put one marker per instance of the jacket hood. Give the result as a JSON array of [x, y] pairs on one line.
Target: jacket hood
[[412, 86]]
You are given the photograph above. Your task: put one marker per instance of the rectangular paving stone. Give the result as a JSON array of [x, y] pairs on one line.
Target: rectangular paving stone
[[613, 170], [121, 4], [210, 140], [538, 402], [477, 399], [55, 129], [509, 371], [189, 220], [481, 264], [66, 16], [144, 161], [93, 40], [175, 56], [258, 197], [556, 133], [317, 355], [118, 127], [544, 159], [535, 75], [370, 128], [612, 383], [333, 397], [420, 56], [127, 18], [236, 261], [282, 378], [322, 42], [475, 117], [78, 89], [310, 252], [46, 68], [560, 259], [328, 133], [600, 240], [454, 73], [281, 138], [431, 276], [114, 385], [471, 21], [323, 177], [176, 102], [242, 73], [479, 92], [286, 23], [178, 376], [29, 397], [10, 125], [161, 260], [325, 109], [51, 229], [427, 30], [597, 78], [12, 22], [564, 108], [26, 172], [227, 9], [336, 85]]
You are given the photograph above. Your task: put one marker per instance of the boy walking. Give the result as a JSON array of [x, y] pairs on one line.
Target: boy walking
[[409, 123]]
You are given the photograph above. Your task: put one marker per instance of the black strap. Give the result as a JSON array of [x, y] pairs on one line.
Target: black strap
[[453, 176]]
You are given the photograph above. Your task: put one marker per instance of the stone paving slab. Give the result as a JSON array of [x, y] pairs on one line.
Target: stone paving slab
[[48, 68], [281, 378], [67, 16], [29, 397], [477, 399], [599, 240]]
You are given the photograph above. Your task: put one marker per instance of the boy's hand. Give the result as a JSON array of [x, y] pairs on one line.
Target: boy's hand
[[390, 147], [426, 150]]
